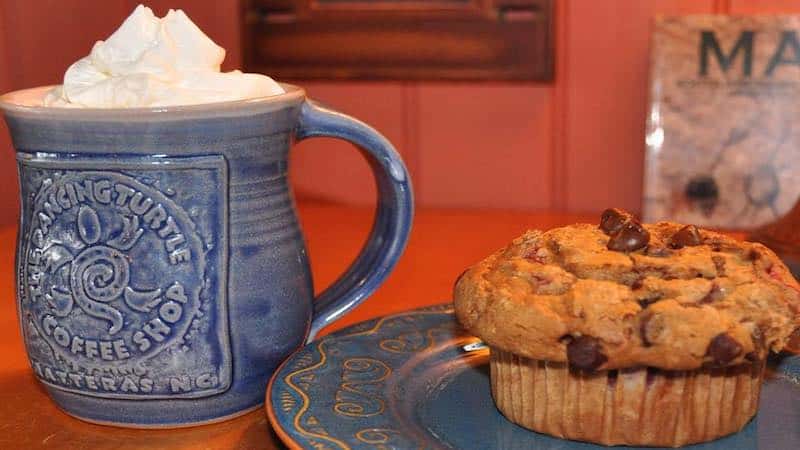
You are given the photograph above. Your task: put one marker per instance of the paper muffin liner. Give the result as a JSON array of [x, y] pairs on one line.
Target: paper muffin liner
[[641, 406]]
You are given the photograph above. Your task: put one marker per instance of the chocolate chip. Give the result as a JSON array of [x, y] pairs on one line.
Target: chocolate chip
[[613, 219], [715, 294], [723, 349], [631, 237], [612, 378], [649, 329], [647, 301], [752, 357], [565, 339], [585, 353], [688, 236], [637, 283], [652, 372]]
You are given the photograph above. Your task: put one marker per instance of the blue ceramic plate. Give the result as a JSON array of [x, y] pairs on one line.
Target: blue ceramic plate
[[404, 381]]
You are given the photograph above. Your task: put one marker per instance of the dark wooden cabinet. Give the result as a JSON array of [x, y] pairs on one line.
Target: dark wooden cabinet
[[400, 39]]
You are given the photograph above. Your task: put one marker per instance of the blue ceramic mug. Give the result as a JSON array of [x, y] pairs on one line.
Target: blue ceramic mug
[[161, 272]]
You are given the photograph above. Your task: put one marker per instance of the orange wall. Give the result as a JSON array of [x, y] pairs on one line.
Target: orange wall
[[574, 145]]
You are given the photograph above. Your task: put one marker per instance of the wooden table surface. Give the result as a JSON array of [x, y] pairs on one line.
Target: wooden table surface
[[442, 244]]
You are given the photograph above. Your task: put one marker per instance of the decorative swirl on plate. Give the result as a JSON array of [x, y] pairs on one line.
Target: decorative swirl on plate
[[404, 343], [415, 340], [376, 436], [354, 398], [100, 275], [363, 380]]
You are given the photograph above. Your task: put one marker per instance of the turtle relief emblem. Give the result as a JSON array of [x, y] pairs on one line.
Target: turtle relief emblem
[[99, 274]]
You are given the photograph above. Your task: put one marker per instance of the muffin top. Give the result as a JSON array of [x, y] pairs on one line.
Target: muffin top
[[625, 294]]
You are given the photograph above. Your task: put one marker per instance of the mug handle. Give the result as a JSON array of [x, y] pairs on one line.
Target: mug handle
[[393, 214]]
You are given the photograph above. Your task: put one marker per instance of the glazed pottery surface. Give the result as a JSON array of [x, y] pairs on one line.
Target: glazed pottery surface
[[162, 275]]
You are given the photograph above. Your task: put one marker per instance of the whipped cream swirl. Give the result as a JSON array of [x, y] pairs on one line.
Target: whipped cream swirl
[[151, 61]]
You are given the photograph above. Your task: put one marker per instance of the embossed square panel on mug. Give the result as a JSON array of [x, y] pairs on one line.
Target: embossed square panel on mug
[[162, 275]]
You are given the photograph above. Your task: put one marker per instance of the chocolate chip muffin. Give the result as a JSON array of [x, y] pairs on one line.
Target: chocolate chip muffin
[[629, 333]]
